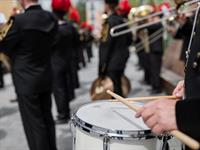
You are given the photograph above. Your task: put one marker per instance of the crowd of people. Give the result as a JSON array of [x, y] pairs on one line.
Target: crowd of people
[[46, 51]]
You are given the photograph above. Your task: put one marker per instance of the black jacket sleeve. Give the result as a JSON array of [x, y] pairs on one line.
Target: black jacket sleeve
[[185, 30], [188, 117], [7, 45]]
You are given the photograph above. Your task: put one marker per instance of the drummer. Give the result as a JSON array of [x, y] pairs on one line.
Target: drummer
[[184, 114]]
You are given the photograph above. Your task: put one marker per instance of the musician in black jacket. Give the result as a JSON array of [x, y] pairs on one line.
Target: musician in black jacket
[[166, 115], [74, 20], [62, 61], [155, 55], [184, 32], [114, 52], [29, 43]]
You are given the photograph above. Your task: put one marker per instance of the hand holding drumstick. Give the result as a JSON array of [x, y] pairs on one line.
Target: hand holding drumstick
[[179, 90], [159, 115], [157, 122]]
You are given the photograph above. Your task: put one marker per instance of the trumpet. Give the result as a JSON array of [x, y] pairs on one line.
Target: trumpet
[[132, 26]]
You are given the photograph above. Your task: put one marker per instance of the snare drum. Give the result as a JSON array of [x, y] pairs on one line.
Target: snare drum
[[108, 125]]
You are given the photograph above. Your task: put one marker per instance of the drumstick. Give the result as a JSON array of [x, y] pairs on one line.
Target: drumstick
[[149, 98], [190, 142]]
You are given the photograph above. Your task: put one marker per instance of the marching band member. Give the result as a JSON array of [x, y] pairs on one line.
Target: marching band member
[[114, 55], [155, 55], [74, 18], [28, 43], [62, 61], [184, 32], [150, 52], [166, 115], [90, 39]]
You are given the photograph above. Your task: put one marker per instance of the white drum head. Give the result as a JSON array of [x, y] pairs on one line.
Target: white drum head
[[112, 116]]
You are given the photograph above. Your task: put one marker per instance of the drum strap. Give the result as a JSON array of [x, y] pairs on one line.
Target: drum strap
[[165, 143]]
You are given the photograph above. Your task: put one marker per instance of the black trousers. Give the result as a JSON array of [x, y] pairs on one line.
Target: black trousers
[[156, 64], [89, 51], [37, 120], [144, 60], [81, 56], [63, 89], [74, 75], [116, 78]]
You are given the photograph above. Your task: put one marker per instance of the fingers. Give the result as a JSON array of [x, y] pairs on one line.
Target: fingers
[[179, 90], [157, 129], [159, 115], [141, 113], [150, 119], [151, 122]]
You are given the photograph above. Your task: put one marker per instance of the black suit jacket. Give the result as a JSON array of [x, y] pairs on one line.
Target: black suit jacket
[[114, 52], [156, 46], [188, 110], [184, 33], [29, 44], [66, 43]]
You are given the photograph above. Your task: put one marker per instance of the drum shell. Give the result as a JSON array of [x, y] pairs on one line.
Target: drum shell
[[88, 136], [84, 141]]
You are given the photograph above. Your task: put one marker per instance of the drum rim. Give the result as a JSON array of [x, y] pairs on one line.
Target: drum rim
[[113, 134]]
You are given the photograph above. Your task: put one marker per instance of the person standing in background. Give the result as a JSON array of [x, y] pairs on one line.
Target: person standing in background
[[62, 61], [155, 55], [74, 18], [115, 51], [28, 43]]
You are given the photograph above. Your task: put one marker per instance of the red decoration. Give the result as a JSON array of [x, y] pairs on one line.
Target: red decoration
[[61, 5], [74, 15], [164, 5], [84, 25], [124, 7], [91, 28]]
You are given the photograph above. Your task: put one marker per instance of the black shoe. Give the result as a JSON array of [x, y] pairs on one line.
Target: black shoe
[[62, 121], [144, 82], [13, 100], [1, 86]]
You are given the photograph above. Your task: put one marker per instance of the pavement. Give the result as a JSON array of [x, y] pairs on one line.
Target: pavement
[[11, 132]]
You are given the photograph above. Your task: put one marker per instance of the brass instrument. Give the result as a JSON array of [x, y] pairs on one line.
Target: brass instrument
[[3, 32], [102, 84], [141, 14], [5, 28], [131, 15], [105, 28], [132, 26], [6, 61]]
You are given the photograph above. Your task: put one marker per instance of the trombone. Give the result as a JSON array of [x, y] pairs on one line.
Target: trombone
[[132, 26], [133, 23]]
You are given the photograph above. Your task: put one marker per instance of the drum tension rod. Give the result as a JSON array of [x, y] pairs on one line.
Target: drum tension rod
[[106, 141]]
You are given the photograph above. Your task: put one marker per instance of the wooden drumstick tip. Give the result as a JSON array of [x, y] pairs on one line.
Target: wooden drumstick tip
[[187, 140], [108, 91]]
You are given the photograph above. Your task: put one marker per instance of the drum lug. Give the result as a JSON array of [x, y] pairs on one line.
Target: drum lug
[[106, 142], [73, 131]]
